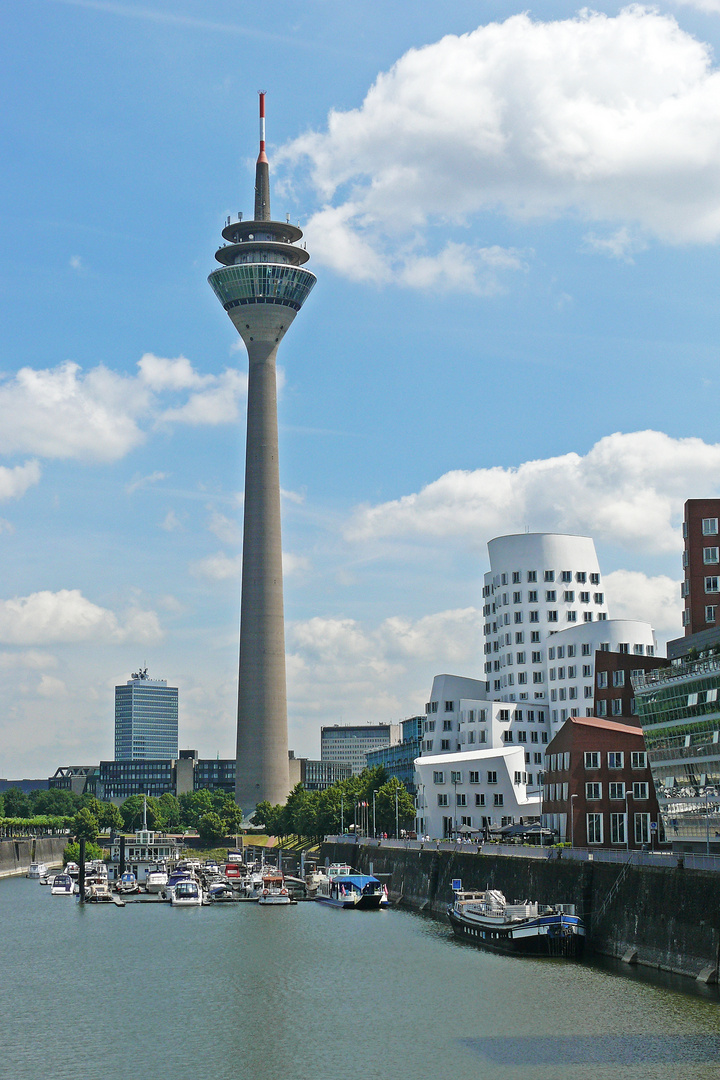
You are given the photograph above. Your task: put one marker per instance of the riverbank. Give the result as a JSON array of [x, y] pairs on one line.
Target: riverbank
[[17, 855], [663, 917]]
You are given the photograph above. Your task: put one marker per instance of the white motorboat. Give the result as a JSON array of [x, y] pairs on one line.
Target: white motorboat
[[62, 885], [37, 870], [186, 894], [156, 880]]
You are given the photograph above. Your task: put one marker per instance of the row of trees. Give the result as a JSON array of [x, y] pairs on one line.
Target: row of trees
[[346, 805], [85, 816]]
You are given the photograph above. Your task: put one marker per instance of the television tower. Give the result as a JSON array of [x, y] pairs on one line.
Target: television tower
[[262, 286]]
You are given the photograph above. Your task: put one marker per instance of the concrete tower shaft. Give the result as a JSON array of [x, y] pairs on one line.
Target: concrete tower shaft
[[262, 285]]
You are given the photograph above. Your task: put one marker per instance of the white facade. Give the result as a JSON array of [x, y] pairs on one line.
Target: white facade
[[349, 744], [481, 789]]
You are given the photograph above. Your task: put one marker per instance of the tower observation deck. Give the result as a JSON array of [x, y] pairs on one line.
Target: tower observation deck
[[262, 284]]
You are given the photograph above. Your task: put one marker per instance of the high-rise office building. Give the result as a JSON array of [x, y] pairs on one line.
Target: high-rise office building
[[262, 285], [701, 563], [146, 719]]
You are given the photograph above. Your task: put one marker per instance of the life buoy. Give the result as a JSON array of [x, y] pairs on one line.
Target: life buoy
[[265, 892], [283, 892]]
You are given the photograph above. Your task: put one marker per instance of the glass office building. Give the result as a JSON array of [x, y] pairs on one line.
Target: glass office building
[[679, 711], [146, 719]]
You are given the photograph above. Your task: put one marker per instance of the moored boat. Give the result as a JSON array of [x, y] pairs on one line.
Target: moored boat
[[62, 885], [37, 870], [186, 893], [344, 888], [128, 883], [488, 920], [156, 880], [273, 890]]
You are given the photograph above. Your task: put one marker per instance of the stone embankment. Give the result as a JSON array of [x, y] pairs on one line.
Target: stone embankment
[[666, 917], [16, 855]]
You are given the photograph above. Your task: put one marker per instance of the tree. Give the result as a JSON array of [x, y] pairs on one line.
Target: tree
[[85, 826], [170, 810], [231, 814], [71, 852], [211, 829], [269, 816], [132, 812], [56, 801], [193, 805], [385, 807], [110, 817], [17, 803]]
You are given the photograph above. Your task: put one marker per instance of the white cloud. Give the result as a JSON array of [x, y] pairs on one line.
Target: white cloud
[[226, 530], [633, 595], [15, 482], [145, 481], [76, 263], [101, 416], [31, 659], [67, 616], [50, 687], [219, 567], [620, 244], [293, 564], [627, 490], [171, 522], [610, 119]]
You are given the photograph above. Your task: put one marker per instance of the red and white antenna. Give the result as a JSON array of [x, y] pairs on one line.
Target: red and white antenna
[[261, 156]]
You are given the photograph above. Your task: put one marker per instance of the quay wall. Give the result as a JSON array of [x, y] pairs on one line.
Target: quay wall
[[16, 855], [666, 917]]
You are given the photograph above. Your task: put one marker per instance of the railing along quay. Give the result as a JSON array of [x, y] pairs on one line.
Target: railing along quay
[[636, 858]]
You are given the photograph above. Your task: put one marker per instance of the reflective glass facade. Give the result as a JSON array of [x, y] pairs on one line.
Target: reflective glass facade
[[146, 720], [680, 716], [262, 283]]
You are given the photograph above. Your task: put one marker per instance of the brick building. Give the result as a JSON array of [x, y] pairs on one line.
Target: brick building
[[597, 782], [701, 563], [614, 671]]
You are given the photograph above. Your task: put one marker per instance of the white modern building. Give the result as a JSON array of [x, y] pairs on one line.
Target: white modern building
[[545, 619], [146, 719], [349, 744], [480, 789]]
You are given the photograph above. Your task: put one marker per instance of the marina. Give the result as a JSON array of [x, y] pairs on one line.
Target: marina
[[437, 1005]]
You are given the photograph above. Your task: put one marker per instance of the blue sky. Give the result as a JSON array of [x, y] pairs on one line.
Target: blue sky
[[514, 221]]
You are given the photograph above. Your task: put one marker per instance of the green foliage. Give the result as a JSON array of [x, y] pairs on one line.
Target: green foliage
[[211, 829], [231, 815], [85, 826], [195, 804], [132, 813], [169, 810], [56, 802], [71, 852], [110, 817], [16, 803]]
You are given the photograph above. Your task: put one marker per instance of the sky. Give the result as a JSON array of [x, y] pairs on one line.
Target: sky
[[514, 219]]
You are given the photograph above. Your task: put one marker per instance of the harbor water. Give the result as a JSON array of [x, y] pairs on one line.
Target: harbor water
[[310, 991]]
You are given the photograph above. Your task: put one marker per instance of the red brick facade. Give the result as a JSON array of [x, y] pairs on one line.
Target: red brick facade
[[596, 776], [701, 562]]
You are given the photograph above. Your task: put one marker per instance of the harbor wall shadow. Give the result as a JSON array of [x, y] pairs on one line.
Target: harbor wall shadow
[[661, 917]]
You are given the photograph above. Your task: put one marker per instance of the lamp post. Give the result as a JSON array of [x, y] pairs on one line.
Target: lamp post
[[628, 795], [572, 821], [374, 829], [454, 815], [342, 818], [397, 828]]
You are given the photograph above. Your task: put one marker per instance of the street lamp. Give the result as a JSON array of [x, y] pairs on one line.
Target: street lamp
[[628, 795], [374, 829], [572, 821]]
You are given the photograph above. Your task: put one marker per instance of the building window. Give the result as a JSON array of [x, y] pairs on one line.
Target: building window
[[617, 828], [602, 679], [456, 778], [533, 736], [449, 706], [534, 616], [518, 617], [522, 736], [594, 826], [711, 585], [617, 706], [642, 828], [638, 759], [474, 777], [592, 759], [569, 596], [492, 778], [497, 799], [601, 708], [442, 798], [572, 616], [444, 744], [543, 736], [550, 596], [438, 778], [461, 799], [599, 598], [617, 789], [640, 789], [516, 577], [593, 791], [532, 596], [517, 598], [710, 555], [616, 759], [584, 597], [710, 611], [447, 725], [538, 676], [479, 799], [709, 526], [618, 678]]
